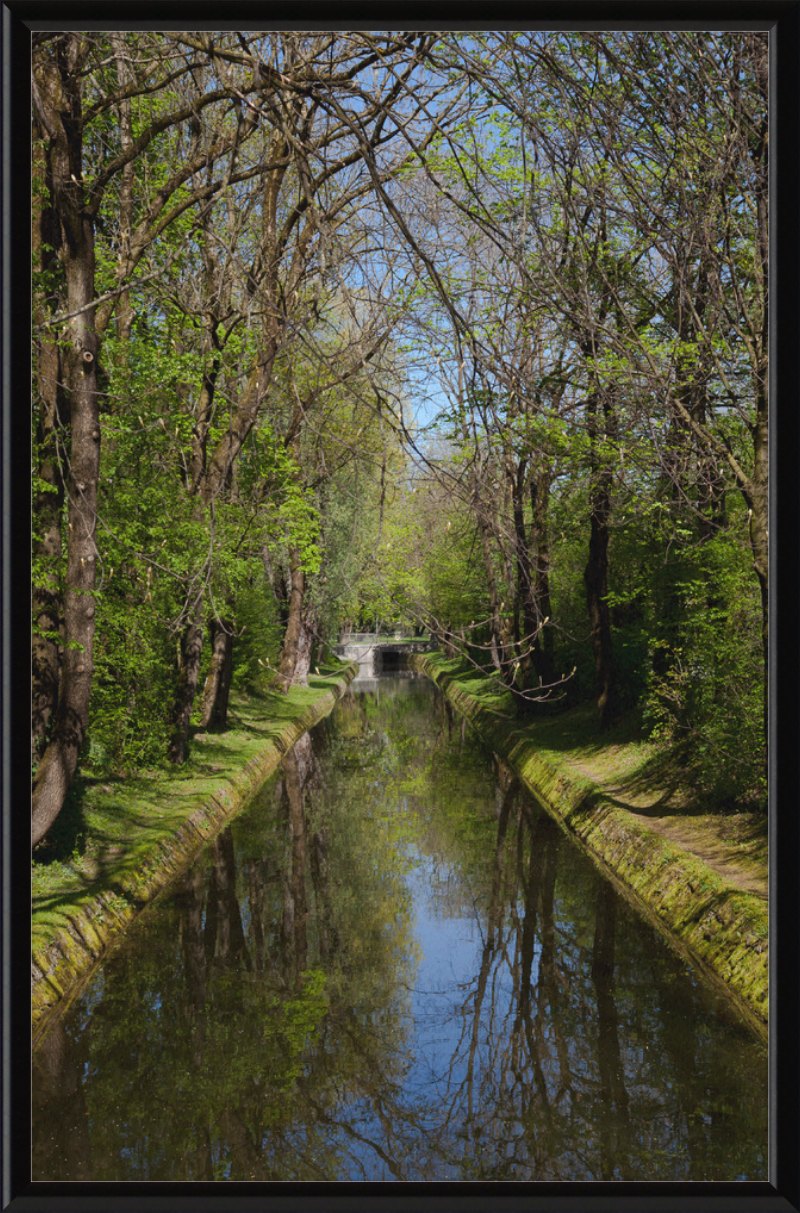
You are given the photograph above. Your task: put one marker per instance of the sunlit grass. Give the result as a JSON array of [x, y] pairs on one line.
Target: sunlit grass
[[120, 823], [635, 773]]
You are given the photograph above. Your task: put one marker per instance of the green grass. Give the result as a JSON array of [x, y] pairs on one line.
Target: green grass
[[635, 773], [698, 877], [120, 823]]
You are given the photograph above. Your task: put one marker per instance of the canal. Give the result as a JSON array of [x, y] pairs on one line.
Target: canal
[[393, 966]]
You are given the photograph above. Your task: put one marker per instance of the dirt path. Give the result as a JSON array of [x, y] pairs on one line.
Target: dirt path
[[734, 845], [706, 838]]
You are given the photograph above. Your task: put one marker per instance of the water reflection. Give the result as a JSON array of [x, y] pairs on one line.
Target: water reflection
[[394, 966]]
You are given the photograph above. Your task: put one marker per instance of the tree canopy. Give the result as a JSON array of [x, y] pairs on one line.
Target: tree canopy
[[463, 332]]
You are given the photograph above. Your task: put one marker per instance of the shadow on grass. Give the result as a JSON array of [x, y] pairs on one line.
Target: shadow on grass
[[104, 855], [67, 835], [664, 776], [578, 728], [264, 719], [753, 830], [664, 772]]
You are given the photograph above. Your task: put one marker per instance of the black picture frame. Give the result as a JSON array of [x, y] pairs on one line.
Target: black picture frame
[[782, 1193]]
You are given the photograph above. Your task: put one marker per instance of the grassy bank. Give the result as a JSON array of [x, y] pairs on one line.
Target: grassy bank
[[699, 876], [136, 834]]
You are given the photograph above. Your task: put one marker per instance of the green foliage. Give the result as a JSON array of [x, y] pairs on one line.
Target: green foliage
[[146, 531], [426, 565], [287, 511], [581, 195], [705, 692], [259, 635], [129, 723]]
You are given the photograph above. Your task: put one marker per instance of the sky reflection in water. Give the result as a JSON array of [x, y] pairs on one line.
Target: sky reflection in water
[[394, 967]]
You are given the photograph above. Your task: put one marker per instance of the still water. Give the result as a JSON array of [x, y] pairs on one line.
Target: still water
[[393, 966]]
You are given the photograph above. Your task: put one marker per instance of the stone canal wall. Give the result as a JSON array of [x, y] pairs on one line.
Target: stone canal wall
[[721, 929], [95, 917]]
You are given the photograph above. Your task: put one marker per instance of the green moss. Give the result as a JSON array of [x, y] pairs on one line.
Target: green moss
[[720, 928], [140, 832]]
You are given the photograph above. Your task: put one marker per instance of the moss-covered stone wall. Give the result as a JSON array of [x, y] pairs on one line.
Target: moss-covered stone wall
[[67, 949], [718, 927]]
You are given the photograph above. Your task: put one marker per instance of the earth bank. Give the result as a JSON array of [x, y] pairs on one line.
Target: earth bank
[[715, 916], [142, 832]]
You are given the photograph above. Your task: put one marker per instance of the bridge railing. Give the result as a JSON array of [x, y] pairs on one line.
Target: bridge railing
[[380, 638]]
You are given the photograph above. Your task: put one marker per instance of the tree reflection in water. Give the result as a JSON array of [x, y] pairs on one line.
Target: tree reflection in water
[[393, 966]]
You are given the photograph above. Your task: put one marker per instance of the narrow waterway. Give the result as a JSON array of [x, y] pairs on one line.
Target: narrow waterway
[[393, 966]]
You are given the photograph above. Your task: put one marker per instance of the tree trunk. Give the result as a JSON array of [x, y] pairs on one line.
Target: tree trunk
[[304, 647], [188, 673], [205, 412], [757, 50], [125, 76], [48, 501], [596, 572], [46, 617], [497, 647], [293, 641], [276, 579], [612, 1091], [540, 548], [533, 578], [230, 946], [218, 682], [59, 87], [759, 542], [296, 767], [526, 638]]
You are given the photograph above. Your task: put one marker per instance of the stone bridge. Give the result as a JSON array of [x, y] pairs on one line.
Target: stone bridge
[[377, 654]]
